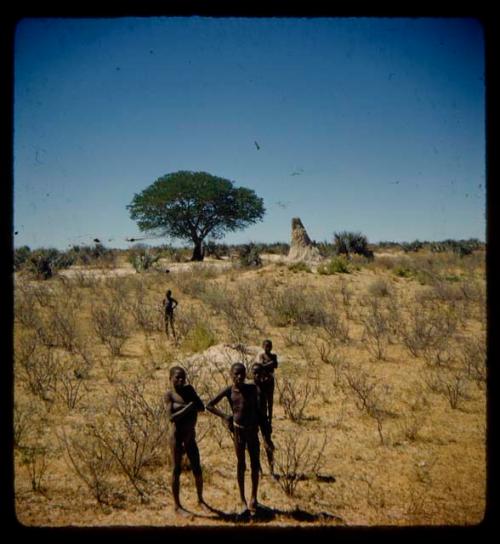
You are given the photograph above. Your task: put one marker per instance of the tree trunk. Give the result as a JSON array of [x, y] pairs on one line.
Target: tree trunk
[[198, 251]]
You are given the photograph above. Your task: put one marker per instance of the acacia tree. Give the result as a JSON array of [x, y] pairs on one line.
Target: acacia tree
[[193, 205]]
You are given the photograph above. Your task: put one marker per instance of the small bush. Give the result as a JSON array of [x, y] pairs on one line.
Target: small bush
[[249, 255], [200, 338], [91, 461], [21, 257], [293, 307], [296, 459], [380, 288], [337, 265], [142, 259], [403, 272], [293, 397], [44, 263], [110, 325], [299, 267], [35, 459]]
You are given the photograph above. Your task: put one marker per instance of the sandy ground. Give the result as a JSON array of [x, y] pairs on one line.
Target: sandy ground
[[438, 477]]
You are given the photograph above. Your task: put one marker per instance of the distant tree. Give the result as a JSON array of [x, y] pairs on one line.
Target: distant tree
[[192, 205]]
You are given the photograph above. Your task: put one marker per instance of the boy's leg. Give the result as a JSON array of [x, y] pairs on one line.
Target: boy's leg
[[254, 452], [239, 447], [269, 447], [193, 454], [172, 325], [270, 400], [176, 449]]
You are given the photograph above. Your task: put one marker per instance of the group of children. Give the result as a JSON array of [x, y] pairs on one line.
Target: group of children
[[251, 407]]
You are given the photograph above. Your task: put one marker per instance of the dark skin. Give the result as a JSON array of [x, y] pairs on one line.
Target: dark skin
[[260, 377], [169, 304], [182, 406], [269, 362], [243, 424]]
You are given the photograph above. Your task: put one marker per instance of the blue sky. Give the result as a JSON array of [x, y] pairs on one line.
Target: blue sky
[[364, 124]]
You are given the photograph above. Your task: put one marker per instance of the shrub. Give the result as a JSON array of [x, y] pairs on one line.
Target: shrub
[[299, 267], [215, 250], [376, 330], [199, 338], [25, 309], [64, 324], [403, 271], [296, 458], [110, 325], [97, 254], [90, 460], [142, 259], [332, 325], [473, 356], [69, 387], [293, 307], [191, 282], [337, 265], [452, 384], [44, 263], [249, 255], [414, 246], [134, 433], [34, 458], [370, 396], [347, 243], [326, 249], [21, 257], [380, 288], [40, 373], [25, 422], [293, 397]]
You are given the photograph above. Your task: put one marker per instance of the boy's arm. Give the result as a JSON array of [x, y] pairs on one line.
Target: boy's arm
[[197, 402], [172, 414], [271, 364], [212, 403]]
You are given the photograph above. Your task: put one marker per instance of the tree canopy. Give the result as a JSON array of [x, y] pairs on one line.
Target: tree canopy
[[193, 205]]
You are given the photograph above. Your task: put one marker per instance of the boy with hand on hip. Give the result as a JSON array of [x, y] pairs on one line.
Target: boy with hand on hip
[[244, 424]]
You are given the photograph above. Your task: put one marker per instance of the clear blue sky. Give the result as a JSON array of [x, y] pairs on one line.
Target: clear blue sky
[[364, 124]]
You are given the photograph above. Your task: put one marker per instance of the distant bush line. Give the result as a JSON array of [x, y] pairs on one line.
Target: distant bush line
[[45, 262]]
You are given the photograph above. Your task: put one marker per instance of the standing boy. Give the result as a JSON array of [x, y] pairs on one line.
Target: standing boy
[[260, 378], [269, 363], [169, 304], [182, 406], [243, 424]]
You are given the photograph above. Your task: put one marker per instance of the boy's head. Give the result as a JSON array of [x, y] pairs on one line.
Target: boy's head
[[258, 372], [169, 292], [238, 373], [177, 376], [267, 345]]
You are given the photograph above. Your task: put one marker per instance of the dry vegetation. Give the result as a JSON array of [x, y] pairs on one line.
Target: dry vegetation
[[380, 405]]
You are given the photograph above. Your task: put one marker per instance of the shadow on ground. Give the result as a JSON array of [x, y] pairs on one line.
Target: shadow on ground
[[264, 514]]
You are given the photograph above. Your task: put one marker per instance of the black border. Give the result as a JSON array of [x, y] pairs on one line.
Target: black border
[[150, 8]]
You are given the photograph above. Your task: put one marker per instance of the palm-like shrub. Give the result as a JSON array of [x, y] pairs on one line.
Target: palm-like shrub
[[348, 243]]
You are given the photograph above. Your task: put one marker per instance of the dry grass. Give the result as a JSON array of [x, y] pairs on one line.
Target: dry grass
[[379, 413]]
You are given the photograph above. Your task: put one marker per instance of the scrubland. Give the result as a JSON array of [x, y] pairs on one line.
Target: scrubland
[[380, 404]]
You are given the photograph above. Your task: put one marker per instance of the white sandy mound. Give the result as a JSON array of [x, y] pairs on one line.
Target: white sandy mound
[[222, 355]]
